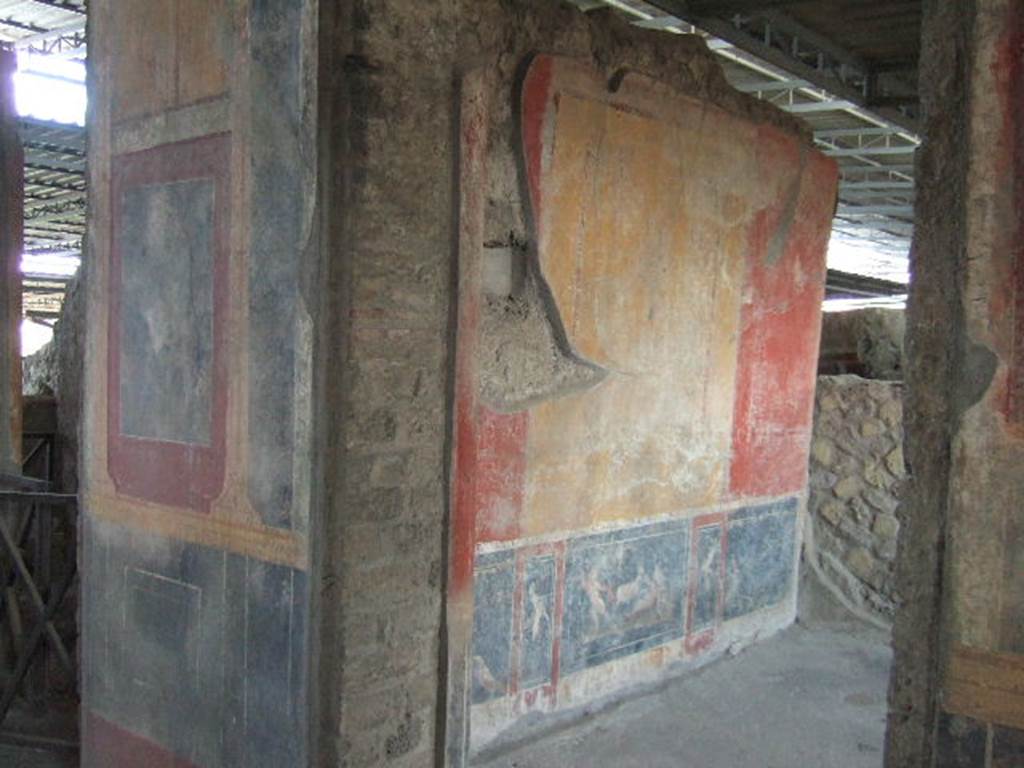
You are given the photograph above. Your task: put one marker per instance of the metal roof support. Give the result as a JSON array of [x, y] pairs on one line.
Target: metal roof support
[[61, 5], [46, 35], [836, 70], [769, 86], [828, 105], [873, 132], [869, 170], [866, 197], [876, 185], [873, 210], [868, 151]]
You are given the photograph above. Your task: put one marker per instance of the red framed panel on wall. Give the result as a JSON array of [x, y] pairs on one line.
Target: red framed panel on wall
[[168, 299]]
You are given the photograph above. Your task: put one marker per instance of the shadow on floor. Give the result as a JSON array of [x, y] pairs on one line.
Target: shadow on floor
[[807, 697]]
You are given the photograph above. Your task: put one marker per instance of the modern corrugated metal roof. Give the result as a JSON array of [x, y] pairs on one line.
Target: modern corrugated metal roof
[[43, 24], [55, 177], [55, 209], [847, 67]]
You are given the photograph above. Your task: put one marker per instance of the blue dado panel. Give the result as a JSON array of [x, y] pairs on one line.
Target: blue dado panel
[[709, 571], [609, 595], [493, 591], [195, 649], [537, 640], [762, 557], [624, 592]]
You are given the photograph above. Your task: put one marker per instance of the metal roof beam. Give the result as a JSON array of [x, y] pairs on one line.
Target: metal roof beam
[[880, 185], [769, 86], [45, 35], [872, 194], [848, 282], [873, 169], [708, 7], [52, 148], [869, 151], [68, 200], [880, 232], [15, 24], [61, 5], [837, 71], [874, 131], [828, 105], [875, 210], [53, 185]]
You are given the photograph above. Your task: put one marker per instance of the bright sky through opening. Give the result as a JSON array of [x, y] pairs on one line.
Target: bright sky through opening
[[48, 88]]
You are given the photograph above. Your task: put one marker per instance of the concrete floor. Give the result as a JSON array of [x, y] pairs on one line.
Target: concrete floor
[[808, 698], [811, 697]]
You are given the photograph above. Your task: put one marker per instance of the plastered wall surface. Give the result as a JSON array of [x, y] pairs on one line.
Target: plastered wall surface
[[429, 204], [982, 662], [449, 482], [956, 691], [641, 512], [197, 424]]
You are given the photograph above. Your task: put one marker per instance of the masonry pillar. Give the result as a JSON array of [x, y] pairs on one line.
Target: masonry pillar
[[197, 451], [957, 690], [11, 244]]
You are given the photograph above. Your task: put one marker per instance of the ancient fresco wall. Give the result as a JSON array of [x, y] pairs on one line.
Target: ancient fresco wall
[[635, 380], [197, 425], [982, 662], [957, 690]]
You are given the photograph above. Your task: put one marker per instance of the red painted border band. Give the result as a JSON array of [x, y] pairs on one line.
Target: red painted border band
[[176, 474], [107, 745]]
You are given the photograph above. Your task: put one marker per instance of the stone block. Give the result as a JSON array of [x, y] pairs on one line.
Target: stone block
[[861, 563], [886, 550], [886, 527], [823, 451], [894, 461], [848, 487], [891, 412], [877, 476], [832, 511], [858, 534], [861, 513], [871, 428], [829, 403], [880, 500]]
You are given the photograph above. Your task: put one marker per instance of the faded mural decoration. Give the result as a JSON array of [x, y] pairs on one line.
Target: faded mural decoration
[[195, 613], [646, 512]]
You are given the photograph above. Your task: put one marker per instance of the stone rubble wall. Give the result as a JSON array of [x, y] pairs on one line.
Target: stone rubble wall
[[867, 342], [856, 480], [39, 372]]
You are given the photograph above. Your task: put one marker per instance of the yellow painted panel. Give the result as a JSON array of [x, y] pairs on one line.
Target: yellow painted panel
[[143, 60], [642, 240], [204, 44]]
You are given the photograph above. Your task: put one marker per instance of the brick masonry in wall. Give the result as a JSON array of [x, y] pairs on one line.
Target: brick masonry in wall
[[856, 479]]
